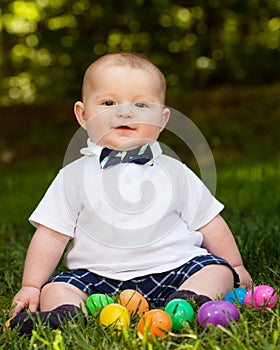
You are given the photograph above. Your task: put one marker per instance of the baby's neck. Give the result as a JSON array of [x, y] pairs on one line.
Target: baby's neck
[[127, 147]]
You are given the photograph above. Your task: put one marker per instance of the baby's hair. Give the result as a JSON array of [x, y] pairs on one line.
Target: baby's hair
[[130, 59]]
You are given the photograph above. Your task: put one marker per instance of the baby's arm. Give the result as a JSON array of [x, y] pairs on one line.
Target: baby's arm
[[43, 255], [218, 240]]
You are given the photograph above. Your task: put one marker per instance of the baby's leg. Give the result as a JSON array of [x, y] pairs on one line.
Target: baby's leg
[[212, 281], [59, 302], [208, 283], [60, 293]]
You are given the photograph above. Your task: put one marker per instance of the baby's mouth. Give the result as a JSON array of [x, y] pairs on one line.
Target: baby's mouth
[[124, 127]]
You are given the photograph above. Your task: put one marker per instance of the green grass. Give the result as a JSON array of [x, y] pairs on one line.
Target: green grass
[[248, 172], [252, 212], [254, 330]]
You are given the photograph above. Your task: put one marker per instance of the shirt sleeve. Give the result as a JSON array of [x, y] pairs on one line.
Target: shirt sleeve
[[53, 211], [201, 206]]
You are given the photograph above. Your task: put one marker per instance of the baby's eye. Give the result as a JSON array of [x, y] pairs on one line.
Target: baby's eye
[[141, 105], [108, 103]]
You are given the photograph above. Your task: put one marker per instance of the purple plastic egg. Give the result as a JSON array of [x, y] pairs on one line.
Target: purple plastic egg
[[262, 296], [217, 312]]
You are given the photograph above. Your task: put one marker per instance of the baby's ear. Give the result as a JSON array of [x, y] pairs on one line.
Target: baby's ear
[[79, 110], [165, 117]]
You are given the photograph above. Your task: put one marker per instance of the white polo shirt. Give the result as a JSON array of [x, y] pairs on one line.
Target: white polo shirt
[[128, 220]]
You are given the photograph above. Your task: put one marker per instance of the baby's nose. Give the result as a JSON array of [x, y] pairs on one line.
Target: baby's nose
[[125, 110]]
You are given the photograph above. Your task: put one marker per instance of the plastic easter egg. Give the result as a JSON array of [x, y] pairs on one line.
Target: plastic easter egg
[[180, 312], [115, 315], [96, 302], [236, 295], [133, 301], [155, 323], [262, 296], [6, 325], [217, 312]]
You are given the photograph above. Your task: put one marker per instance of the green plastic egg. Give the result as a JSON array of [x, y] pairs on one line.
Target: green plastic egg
[[180, 312], [96, 302]]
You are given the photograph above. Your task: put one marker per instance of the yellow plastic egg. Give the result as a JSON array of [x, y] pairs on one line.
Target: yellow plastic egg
[[115, 315]]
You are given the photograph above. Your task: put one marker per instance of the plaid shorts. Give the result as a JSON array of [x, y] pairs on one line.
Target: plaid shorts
[[155, 287]]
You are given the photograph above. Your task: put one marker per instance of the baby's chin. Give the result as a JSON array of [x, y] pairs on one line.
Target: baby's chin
[[126, 145]]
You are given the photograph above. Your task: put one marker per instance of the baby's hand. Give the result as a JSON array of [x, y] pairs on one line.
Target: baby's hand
[[26, 297], [245, 278]]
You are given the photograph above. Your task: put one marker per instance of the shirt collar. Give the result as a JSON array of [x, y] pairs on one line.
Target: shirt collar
[[93, 149]]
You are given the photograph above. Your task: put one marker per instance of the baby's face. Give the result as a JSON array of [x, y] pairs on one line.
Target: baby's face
[[122, 107]]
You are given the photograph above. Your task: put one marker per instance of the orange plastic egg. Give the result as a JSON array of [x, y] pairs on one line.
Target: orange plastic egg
[[115, 315], [6, 325], [133, 301], [155, 322]]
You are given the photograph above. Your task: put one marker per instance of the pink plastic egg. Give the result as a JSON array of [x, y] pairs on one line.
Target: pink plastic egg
[[262, 296]]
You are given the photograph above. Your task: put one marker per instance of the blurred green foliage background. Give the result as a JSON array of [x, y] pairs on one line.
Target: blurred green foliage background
[[45, 45], [221, 60]]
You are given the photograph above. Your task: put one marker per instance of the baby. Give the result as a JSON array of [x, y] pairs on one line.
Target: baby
[[136, 219]]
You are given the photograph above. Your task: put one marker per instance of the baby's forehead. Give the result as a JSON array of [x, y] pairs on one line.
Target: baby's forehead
[[96, 66]]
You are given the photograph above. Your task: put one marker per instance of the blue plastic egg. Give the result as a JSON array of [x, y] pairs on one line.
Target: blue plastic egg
[[236, 295]]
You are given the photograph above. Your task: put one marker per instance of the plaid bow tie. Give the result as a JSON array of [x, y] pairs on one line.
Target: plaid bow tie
[[139, 155]]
